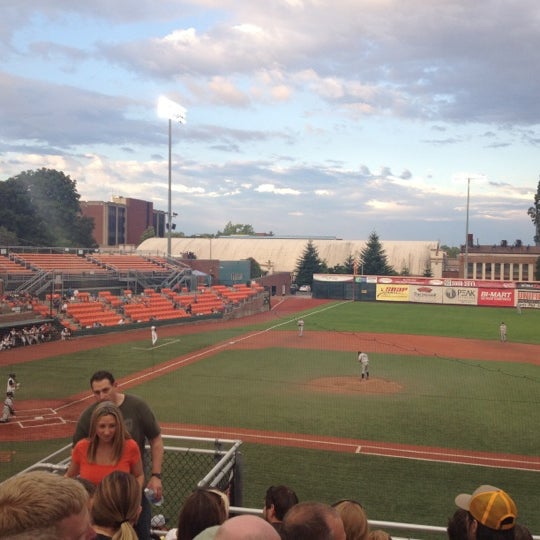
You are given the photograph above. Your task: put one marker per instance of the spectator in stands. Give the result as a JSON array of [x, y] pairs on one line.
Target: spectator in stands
[[159, 523], [42, 505], [107, 448], [491, 513], [246, 527], [457, 525], [277, 502], [142, 425], [116, 507], [202, 509], [313, 521], [354, 519]]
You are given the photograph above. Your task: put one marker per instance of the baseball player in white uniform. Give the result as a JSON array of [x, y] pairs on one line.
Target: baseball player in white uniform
[[154, 335], [364, 362], [12, 384]]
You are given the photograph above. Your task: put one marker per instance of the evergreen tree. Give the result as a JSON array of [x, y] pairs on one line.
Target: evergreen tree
[[308, 264], [346, 267], [374, 258], [405, 270], [427, 269], [349, 265]]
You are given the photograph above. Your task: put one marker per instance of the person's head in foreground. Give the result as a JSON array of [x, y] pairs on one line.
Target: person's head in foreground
[[491, 513], [117, 505], [277, 502], [44, 506], [354, 519], [246, 527], [457, 525], [313, 521], [202, 509]]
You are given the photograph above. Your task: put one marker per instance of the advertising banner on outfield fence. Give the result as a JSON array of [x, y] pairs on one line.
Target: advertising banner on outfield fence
[[426, 294], [480, 283], [460, 295], [333, 277], [496, 297], [526, 285], [409, 280], [528, 299], [393, 293]]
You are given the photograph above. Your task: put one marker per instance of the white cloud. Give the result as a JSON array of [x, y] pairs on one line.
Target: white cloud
[[289, 101]]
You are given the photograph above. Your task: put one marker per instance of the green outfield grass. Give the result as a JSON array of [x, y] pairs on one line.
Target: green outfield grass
[[443, 402]]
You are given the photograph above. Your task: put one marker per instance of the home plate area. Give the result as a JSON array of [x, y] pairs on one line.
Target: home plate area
[[37, 418]]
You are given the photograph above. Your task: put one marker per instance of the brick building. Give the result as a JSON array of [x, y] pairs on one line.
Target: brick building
[[501, 262], [122, 221]]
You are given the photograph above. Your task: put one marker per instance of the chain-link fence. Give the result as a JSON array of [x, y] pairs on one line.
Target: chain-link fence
[[188, 463]]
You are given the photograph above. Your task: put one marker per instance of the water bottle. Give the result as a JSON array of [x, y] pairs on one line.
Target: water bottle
[[152, 498]]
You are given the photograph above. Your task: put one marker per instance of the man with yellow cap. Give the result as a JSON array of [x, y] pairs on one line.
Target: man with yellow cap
[[492, 513]]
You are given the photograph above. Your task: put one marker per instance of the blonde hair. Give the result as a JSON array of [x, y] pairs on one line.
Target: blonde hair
[[354, 519], [379, 535], [107, 408], [117, 504], [33, 504]]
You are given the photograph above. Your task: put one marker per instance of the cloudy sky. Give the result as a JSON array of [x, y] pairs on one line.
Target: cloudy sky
[[304, 117]]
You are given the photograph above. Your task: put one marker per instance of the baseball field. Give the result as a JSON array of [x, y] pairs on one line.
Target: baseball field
[[447, 407]]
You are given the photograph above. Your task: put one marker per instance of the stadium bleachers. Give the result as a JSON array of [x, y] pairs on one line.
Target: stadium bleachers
[[58, 262], [124, 263], [202, 303], [8, 266], [153, 306]]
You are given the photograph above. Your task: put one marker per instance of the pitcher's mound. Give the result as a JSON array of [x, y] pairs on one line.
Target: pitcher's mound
[[354, 385]]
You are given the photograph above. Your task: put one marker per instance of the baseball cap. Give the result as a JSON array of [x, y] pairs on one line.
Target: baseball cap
[[159, 520], [490, 506]]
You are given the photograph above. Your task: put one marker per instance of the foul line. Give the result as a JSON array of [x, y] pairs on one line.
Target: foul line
[[168, 342], [420, 454]]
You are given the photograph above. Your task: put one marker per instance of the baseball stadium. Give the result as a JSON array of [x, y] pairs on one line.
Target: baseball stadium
[[245, 402]]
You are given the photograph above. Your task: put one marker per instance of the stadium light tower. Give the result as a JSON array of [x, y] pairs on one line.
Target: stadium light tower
[[466, 261], [466, 268], [171, 111]]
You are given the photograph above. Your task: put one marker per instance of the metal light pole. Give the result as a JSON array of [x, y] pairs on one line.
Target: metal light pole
[[466, 269], [169, 208], [172, 111]]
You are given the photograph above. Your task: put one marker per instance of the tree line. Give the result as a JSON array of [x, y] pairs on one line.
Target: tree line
[[42, 208]]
